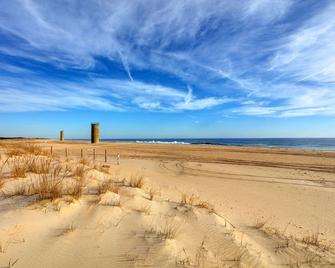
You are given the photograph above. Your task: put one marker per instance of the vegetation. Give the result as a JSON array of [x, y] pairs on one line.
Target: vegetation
[[136, 181], [107, 185], [168, 231]]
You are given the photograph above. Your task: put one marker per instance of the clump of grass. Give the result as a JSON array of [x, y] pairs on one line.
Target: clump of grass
[[33, 149], [67, 229], [204, 205], [19, 167], [2, 247], [282, 246], [2, 183], [38, 165], [101, 168], [14, 152], [168, 231], [311, 239], [1, 169], [11, 263], [84, 161], [22, 149], [183, 261], [80, 171], [136, 181], [50, 186], [187, 200], [107, 185], [193, 200], [76, 189], [260, 224], [314, 239], [152, 192], [201, 256], [273, 231]]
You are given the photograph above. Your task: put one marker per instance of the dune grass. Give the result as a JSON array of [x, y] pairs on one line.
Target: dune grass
[[2, 183], [79, 171], [151, 193], [107, 185], [101, 168], [136, 181], [38, 165], [45, 186], [260, 224], [70, 228], [14, 152], [187, 200], [20, 165], [193, 200], [3, 164], [76, 188], [51, 185], [168, 231], [11, 263], [20, 149], [85, 162]]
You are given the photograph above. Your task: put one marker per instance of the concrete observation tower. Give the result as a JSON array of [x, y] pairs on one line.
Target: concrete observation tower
[[95, 133]]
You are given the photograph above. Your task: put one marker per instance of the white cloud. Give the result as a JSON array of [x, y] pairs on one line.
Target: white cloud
[[136, 33], [309, 53], [190, 103], [97, 94], [243, 49], [43, 96], [269, 10]]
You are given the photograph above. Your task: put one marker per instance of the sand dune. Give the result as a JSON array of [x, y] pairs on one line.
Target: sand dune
[[165, 206]]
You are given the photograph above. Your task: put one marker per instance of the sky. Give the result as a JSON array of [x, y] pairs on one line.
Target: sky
[[168, 69]]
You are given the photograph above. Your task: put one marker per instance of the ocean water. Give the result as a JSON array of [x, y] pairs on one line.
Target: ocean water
[[301, 143]]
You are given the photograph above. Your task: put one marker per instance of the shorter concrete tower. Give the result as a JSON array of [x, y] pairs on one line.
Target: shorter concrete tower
[[95, 133], [61, 135]]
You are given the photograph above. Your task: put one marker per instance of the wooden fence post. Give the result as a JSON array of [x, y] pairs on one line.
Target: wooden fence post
[[94, 154], [66, 151], [51, 150], [105, 156], [81, 153]]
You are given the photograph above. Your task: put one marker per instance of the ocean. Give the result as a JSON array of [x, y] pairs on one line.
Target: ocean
[[301, 143]]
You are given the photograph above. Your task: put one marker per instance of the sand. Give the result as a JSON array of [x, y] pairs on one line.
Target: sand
[[200, 206]]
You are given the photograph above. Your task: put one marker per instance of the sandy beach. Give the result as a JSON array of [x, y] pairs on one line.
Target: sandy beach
[[224, 207], [167, 134]]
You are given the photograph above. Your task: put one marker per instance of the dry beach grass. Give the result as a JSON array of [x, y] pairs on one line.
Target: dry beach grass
[[155, 210]]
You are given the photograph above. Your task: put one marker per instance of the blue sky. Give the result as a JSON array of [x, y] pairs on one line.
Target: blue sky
[[148, 68]]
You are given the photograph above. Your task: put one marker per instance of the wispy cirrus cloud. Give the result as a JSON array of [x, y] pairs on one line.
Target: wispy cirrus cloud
[[97, 94], [267, 58]]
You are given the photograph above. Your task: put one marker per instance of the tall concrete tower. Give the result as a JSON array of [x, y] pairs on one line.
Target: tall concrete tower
[[95, 133], [61, 135]]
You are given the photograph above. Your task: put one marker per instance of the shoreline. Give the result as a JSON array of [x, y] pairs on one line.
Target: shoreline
[[219, 147], [220, 142]]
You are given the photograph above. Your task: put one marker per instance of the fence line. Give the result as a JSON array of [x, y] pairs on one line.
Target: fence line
[[92, 153]]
